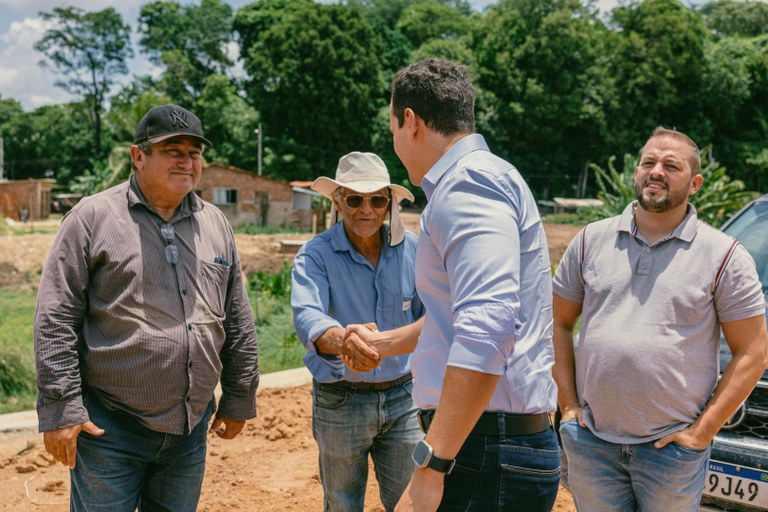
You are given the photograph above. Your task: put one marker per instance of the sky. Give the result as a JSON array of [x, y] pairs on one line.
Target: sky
[[23, 79]]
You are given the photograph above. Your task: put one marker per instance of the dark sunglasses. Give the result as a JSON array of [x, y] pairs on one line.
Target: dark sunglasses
[[171, 251], [377, 201]]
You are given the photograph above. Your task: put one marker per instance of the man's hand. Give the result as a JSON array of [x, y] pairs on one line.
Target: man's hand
[[226, 428], [424, 492], [62, 443], [573, 412], [686, 437], [356, 352]]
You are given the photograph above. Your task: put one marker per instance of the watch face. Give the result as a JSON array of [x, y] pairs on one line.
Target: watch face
[[421, 454]]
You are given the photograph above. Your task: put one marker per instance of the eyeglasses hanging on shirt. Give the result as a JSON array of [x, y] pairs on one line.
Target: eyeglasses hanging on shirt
[[171, 251]]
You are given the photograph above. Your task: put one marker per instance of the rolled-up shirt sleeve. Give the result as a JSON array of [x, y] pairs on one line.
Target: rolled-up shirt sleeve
[[59, 315], [479, 240], [310, 289]]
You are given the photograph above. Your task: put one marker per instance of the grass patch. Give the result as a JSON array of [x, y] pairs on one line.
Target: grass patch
[[18, 390], [575, 219], [255, 229], [270, 296], [279, 348]]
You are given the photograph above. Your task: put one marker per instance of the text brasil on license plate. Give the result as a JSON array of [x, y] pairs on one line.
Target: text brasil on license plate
[[737, 483]]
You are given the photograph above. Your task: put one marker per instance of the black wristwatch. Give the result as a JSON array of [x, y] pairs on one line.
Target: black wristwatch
[[424, 457]]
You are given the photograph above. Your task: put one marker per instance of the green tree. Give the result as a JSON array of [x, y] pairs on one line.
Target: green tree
[[658, 64], [229, 123], [736, 102], [730, 18], [422, 22], [543, 88], [190, 42], [315, 77], [48, 142], [89, 49]]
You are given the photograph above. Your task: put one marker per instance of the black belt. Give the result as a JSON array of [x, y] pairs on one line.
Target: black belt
[[488, 424], [369, 386]]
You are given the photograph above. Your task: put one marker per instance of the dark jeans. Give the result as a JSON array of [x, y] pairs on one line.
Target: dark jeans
[[513, 473], [132, 466]]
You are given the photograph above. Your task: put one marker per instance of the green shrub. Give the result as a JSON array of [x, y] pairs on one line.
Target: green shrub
[[270, 295]]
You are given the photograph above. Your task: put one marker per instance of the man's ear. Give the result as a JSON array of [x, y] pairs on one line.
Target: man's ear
[[696, 183], [411, 121], [138, 157]]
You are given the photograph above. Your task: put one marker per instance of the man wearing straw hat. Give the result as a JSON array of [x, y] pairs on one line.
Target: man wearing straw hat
[[360, 271]]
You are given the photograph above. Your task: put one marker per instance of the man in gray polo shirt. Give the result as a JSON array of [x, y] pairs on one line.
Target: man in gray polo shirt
[[640, 396]]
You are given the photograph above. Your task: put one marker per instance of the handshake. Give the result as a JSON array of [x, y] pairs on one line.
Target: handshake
[[360, 348], [363, 345]]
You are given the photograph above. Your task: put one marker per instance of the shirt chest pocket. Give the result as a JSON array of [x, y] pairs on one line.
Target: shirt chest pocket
[[213, 286]]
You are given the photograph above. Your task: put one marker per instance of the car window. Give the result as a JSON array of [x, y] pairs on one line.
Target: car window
[[751, 229]]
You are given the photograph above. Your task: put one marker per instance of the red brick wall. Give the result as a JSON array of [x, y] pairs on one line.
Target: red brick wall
[[250, 188], [35, 195]]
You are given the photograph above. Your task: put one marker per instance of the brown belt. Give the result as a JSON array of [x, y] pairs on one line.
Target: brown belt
[[488, 424], [369, 386]]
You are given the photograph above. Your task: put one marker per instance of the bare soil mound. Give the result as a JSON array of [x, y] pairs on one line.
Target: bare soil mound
[[270, 467]]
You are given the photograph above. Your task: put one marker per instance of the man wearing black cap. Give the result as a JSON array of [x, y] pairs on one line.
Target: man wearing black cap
[[141, 311]]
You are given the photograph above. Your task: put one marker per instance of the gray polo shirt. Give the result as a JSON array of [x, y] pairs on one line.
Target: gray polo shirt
[[647, 358]]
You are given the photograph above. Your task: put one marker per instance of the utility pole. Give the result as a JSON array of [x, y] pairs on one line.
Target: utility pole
[[2, 173], [258, 131]]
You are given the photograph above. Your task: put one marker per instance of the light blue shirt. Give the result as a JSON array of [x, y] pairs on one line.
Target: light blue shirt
[[334, 285], [484, 276]]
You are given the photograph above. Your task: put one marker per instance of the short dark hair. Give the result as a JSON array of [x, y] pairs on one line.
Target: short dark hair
[[694, 160], [438, 91]]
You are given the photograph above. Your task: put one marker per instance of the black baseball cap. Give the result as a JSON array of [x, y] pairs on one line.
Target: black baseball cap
[[166, 121]]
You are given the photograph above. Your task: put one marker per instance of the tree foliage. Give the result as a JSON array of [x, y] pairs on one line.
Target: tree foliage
[[730, 18], [541, 71], [559, 85], [315, 77], [189, 42], [90, 50]]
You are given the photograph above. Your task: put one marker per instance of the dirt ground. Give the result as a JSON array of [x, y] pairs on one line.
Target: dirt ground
[[270, 467]]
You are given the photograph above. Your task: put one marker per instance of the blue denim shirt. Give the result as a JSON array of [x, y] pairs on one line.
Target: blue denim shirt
[[334, 285], [484, 275]]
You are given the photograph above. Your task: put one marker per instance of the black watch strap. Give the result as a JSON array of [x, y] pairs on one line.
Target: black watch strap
[[424, 457], [441, 465]]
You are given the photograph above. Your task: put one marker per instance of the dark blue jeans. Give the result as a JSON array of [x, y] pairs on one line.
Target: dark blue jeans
[[513, 473], [132, 466]]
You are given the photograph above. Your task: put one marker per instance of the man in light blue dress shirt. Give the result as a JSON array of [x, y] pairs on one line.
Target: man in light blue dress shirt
[[482, 364], [359, 271]]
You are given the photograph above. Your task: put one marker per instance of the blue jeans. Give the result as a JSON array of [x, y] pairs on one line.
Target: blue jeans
[[348, 426], [504, 473], [132, 466], [610, 477]]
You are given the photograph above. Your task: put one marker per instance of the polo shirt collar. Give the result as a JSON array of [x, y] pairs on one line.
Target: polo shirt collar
[[685, 231], [462, 147]]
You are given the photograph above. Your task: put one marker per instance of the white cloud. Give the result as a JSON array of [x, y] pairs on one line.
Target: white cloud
[[21, 77]]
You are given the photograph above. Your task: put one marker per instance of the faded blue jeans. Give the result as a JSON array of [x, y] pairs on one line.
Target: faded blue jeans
[[348, 426], [610, 477], [132, 466], [504, 473]]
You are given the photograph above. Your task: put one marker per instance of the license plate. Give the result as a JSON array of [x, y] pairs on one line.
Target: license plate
[[737, 483]]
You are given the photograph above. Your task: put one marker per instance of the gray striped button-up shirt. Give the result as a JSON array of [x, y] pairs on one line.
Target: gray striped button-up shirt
[[149, 337]]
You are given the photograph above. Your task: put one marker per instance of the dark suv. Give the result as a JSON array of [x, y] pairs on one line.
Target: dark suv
[[738, 469]]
